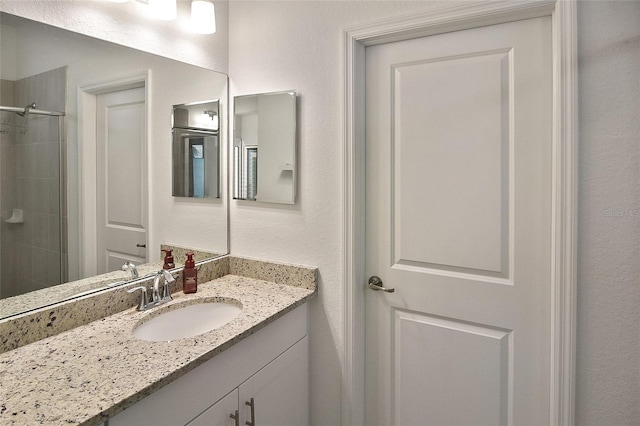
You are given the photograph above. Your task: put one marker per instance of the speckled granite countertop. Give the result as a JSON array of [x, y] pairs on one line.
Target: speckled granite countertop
[[92, 372]]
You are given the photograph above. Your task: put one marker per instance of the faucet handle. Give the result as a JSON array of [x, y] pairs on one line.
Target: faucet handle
[[143, 297]]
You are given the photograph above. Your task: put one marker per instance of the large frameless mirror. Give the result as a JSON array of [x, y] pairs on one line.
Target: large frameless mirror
[[196, 150], [69, 193], [264, 147]]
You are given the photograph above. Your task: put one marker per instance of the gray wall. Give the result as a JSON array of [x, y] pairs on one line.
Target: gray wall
[[608, 347]]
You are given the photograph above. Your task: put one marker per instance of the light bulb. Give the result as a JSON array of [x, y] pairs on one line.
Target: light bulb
[[203, 16]]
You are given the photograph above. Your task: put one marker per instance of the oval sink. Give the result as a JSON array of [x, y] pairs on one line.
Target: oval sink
[[188, 321]]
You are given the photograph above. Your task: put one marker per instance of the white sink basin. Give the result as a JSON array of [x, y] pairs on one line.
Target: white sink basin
[[187, 321]]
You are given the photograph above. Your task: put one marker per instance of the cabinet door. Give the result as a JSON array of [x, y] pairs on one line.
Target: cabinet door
[[280, 390], [219, 414]]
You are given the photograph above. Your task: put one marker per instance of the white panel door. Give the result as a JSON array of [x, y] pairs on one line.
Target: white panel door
[[458, 223], [121, 199]]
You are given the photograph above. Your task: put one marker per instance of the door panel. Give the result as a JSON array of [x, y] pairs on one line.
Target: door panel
[[121, 179], [464, 128], [458, 222], [470, 364]]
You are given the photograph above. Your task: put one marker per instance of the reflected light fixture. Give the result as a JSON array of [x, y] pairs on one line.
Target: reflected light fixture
[[164, 9], [203, 16]]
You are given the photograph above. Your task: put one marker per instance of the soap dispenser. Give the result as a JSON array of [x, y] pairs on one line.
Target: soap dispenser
[[190, 275], [168, 259]]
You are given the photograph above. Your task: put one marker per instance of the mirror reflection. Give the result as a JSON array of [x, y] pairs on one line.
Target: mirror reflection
[[264, 147], [76, 199], [196, 150]]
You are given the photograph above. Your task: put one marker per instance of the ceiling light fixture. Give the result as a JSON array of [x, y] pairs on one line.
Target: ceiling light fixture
[[164, 9], [203, 16]]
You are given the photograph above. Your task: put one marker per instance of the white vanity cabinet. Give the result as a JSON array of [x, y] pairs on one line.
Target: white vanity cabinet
[[219, 414], [270, 366], [276, 395]]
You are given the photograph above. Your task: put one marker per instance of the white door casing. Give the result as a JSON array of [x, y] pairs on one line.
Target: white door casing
[[121, 205], [562, 221]]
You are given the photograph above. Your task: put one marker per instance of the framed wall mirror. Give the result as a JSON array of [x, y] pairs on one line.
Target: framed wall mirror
[[264, 147], [196, 150], [55, 235]]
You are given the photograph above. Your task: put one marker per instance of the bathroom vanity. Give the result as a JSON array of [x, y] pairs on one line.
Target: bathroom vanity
[[100, 373], [262, 380]]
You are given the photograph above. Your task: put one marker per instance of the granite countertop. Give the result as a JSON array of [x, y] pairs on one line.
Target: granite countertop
[[92, 372]]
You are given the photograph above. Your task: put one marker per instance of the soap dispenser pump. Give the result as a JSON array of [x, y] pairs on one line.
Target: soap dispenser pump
[[168, 259], [189, 275]]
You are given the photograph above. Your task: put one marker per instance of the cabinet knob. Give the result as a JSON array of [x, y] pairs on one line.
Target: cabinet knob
[[251, 404], [236, 417]]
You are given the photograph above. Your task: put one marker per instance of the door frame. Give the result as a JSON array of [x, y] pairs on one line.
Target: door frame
[[87, 142], [564, 183]]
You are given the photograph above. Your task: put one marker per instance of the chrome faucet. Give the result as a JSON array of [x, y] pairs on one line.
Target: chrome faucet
[[166, 294], [128, 266], [163, 276]]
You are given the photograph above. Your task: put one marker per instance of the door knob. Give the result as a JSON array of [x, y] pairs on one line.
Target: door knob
[[141, 245], [375, 283]]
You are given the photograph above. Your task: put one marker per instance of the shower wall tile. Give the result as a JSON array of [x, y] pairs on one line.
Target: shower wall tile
[[7, 158], [40, 237], [56, 92], [7, 185], [53, 268], [7, 92], [53, 228], [29, 179], [53, 186]]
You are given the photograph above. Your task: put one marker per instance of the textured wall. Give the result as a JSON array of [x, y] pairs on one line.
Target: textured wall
[[608, 347], [297, 45]]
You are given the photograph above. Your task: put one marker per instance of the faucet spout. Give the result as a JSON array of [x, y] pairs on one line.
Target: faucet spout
[[155, 292], [128, 266], [164, 278]]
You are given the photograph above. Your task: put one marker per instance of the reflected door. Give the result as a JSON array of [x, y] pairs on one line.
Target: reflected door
[[458, 222], [121, 179]]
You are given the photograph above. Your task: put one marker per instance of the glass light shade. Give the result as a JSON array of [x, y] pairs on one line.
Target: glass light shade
[[164, 9], [203, 16]]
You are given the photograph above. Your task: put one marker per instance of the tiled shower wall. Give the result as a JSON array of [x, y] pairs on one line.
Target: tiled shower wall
[[30, 180]]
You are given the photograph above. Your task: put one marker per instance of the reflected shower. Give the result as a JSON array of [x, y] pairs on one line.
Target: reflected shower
[[32, 199]]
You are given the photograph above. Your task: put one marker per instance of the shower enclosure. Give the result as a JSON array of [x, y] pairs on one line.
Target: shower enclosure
[[32, 199]]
